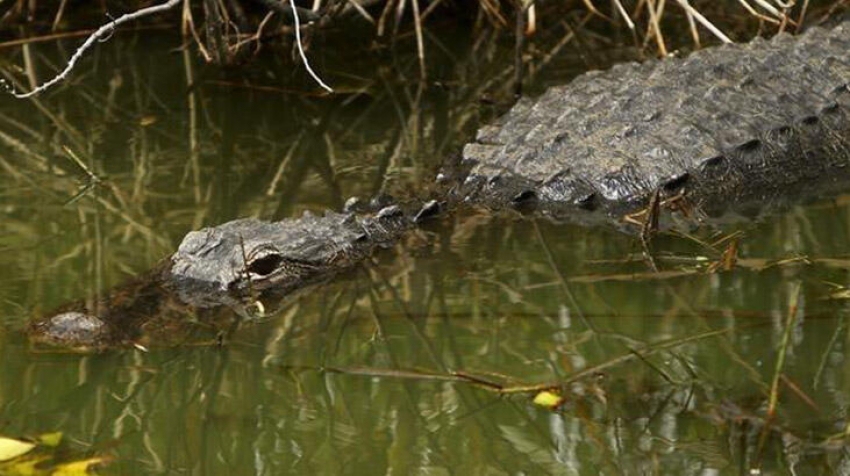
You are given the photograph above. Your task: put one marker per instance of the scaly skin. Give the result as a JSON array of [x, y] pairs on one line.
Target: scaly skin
[[724, 126]]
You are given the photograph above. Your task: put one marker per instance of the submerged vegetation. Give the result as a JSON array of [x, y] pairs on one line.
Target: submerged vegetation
[[482, 341]]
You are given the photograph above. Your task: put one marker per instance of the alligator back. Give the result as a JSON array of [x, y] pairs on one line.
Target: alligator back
[[725, 124]]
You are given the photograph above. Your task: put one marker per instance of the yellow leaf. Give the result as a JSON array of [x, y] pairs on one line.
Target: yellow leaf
[[548, 399], [51, 439], [23, 466], [10, 448], [78, 468]]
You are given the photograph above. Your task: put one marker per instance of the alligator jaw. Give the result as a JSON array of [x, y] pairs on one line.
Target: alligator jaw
[[237, 262]]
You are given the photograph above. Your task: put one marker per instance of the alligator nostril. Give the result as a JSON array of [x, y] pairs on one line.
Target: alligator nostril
[[266, 265]]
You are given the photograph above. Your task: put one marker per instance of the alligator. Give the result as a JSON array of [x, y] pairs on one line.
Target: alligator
[[723, 127]]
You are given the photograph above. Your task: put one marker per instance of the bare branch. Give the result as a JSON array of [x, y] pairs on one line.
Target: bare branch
[[301, 49], [101, 34]]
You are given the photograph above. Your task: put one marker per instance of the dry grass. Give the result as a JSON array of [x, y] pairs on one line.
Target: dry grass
[[228, 32]]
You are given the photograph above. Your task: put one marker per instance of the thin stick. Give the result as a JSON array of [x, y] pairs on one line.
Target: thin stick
[[563, 282], [625, 15], [802, 16], [188, 24], [76, 159], [519, 46], [826, 352], [301, 49], [656, 28], [420, 43], [780, 364], [780, 359], [756, 14], [58, 18], [257, 36], [44, 38], [423, 375], [704, 21], [531, 24], [694, 32], [592, 9], [430, 8], [362, 11], [103, 32], [770, 8], [650, 349]]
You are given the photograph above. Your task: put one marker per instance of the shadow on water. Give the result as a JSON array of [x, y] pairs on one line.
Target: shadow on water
[[427, 358]]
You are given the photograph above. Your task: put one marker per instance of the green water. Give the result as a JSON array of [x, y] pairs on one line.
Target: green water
[[391, 368]]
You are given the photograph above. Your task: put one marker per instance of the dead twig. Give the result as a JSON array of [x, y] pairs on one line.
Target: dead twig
[[459, 377], [692, 12], [593, 370], [100, 34], [301, 49]]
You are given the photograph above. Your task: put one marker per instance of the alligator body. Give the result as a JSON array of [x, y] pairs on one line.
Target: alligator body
[[726, 125]]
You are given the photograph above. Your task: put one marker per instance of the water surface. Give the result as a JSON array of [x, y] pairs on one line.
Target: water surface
[[392, 368]]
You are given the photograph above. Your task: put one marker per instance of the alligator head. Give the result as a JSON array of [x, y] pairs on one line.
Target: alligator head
[[245, 258]]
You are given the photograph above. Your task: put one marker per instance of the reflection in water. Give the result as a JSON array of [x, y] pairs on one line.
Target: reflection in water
[[396, 368]]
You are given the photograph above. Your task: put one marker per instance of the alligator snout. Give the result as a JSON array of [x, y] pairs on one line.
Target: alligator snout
[[71, 329]]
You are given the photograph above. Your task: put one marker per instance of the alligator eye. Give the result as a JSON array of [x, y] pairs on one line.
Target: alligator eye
[[266, 265]]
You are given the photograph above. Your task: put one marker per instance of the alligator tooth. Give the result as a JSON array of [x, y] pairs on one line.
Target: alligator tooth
[[352, 204], [749, 145], [829, 108], [523, 197], [349, 219], [381, 200], [587, 202], [390, 211], [711, 162], [427, 211]]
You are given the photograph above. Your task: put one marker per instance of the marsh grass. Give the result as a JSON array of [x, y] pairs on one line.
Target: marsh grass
[[231, 32]]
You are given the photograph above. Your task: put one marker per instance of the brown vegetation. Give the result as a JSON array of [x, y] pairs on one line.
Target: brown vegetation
[[229, 32]]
